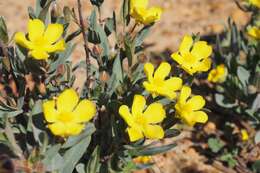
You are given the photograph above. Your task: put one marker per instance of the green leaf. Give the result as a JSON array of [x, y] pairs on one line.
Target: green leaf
[[124, 13], [257, 137], [221, 101], [243, 75], [155, 150], [117, 75], [3, 31], [256, 166], [139, 39], [93, 163], [110, 25], [52, 159], [228, 157], [215, 144], [44, 12], [130, 50], [169, 133], [74, 154]]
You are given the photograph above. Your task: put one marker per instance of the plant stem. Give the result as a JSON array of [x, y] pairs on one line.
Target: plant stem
[[83, 31]]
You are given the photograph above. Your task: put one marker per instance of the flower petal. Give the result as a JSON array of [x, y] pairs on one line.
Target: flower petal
[[204, 65], [134, 134], [196, 103], [49, 111], [73, 129], [20, 39], [126, 115], [58, 129], [138, 4], [59, 46], [148, 70], [138, 105], [67, 100], [39, 54], [162, 71], [174, 83], [85, 111], [178, 58], [153, 132], [154, 113], [200, 116], [201, 50], [35, 29], [186, 45], [185, 93], [53, 33]]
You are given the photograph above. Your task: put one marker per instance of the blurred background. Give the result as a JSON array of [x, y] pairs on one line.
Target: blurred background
[[180, 17]]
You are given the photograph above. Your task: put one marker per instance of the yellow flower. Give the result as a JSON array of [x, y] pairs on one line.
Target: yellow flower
[[143, 14], [218, 74], [66, 115], [157, 85], [255, 3], [189, 111], [254, 32], [143, 159], [244, 135], [41, 41], [195, 60], [143, 123]]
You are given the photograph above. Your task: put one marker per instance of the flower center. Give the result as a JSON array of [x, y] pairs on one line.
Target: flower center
[[66, 117], [40, 41], [140, 120], [158, 82]]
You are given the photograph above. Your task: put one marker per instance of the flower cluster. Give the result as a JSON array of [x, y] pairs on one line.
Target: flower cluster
[[189, 111]]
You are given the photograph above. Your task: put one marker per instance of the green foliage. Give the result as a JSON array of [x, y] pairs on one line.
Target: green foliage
[[215, 145], [240, 55]]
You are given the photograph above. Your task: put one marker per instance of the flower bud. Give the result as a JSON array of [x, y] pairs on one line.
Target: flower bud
[[104, 76]]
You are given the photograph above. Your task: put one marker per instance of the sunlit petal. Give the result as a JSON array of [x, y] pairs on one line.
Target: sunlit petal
[[134, 134], [186, 45], [84, 111], [67, 100], [35, 29], [53, 32], [154, 113], [138, 105], [126, 115], [153, 132], [50, 113], [162, 71]]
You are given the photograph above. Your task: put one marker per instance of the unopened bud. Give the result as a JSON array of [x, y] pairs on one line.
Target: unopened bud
[[42, 88], [142, 58], [104, 76], [56, 10], [30, 84], [97, 50]]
